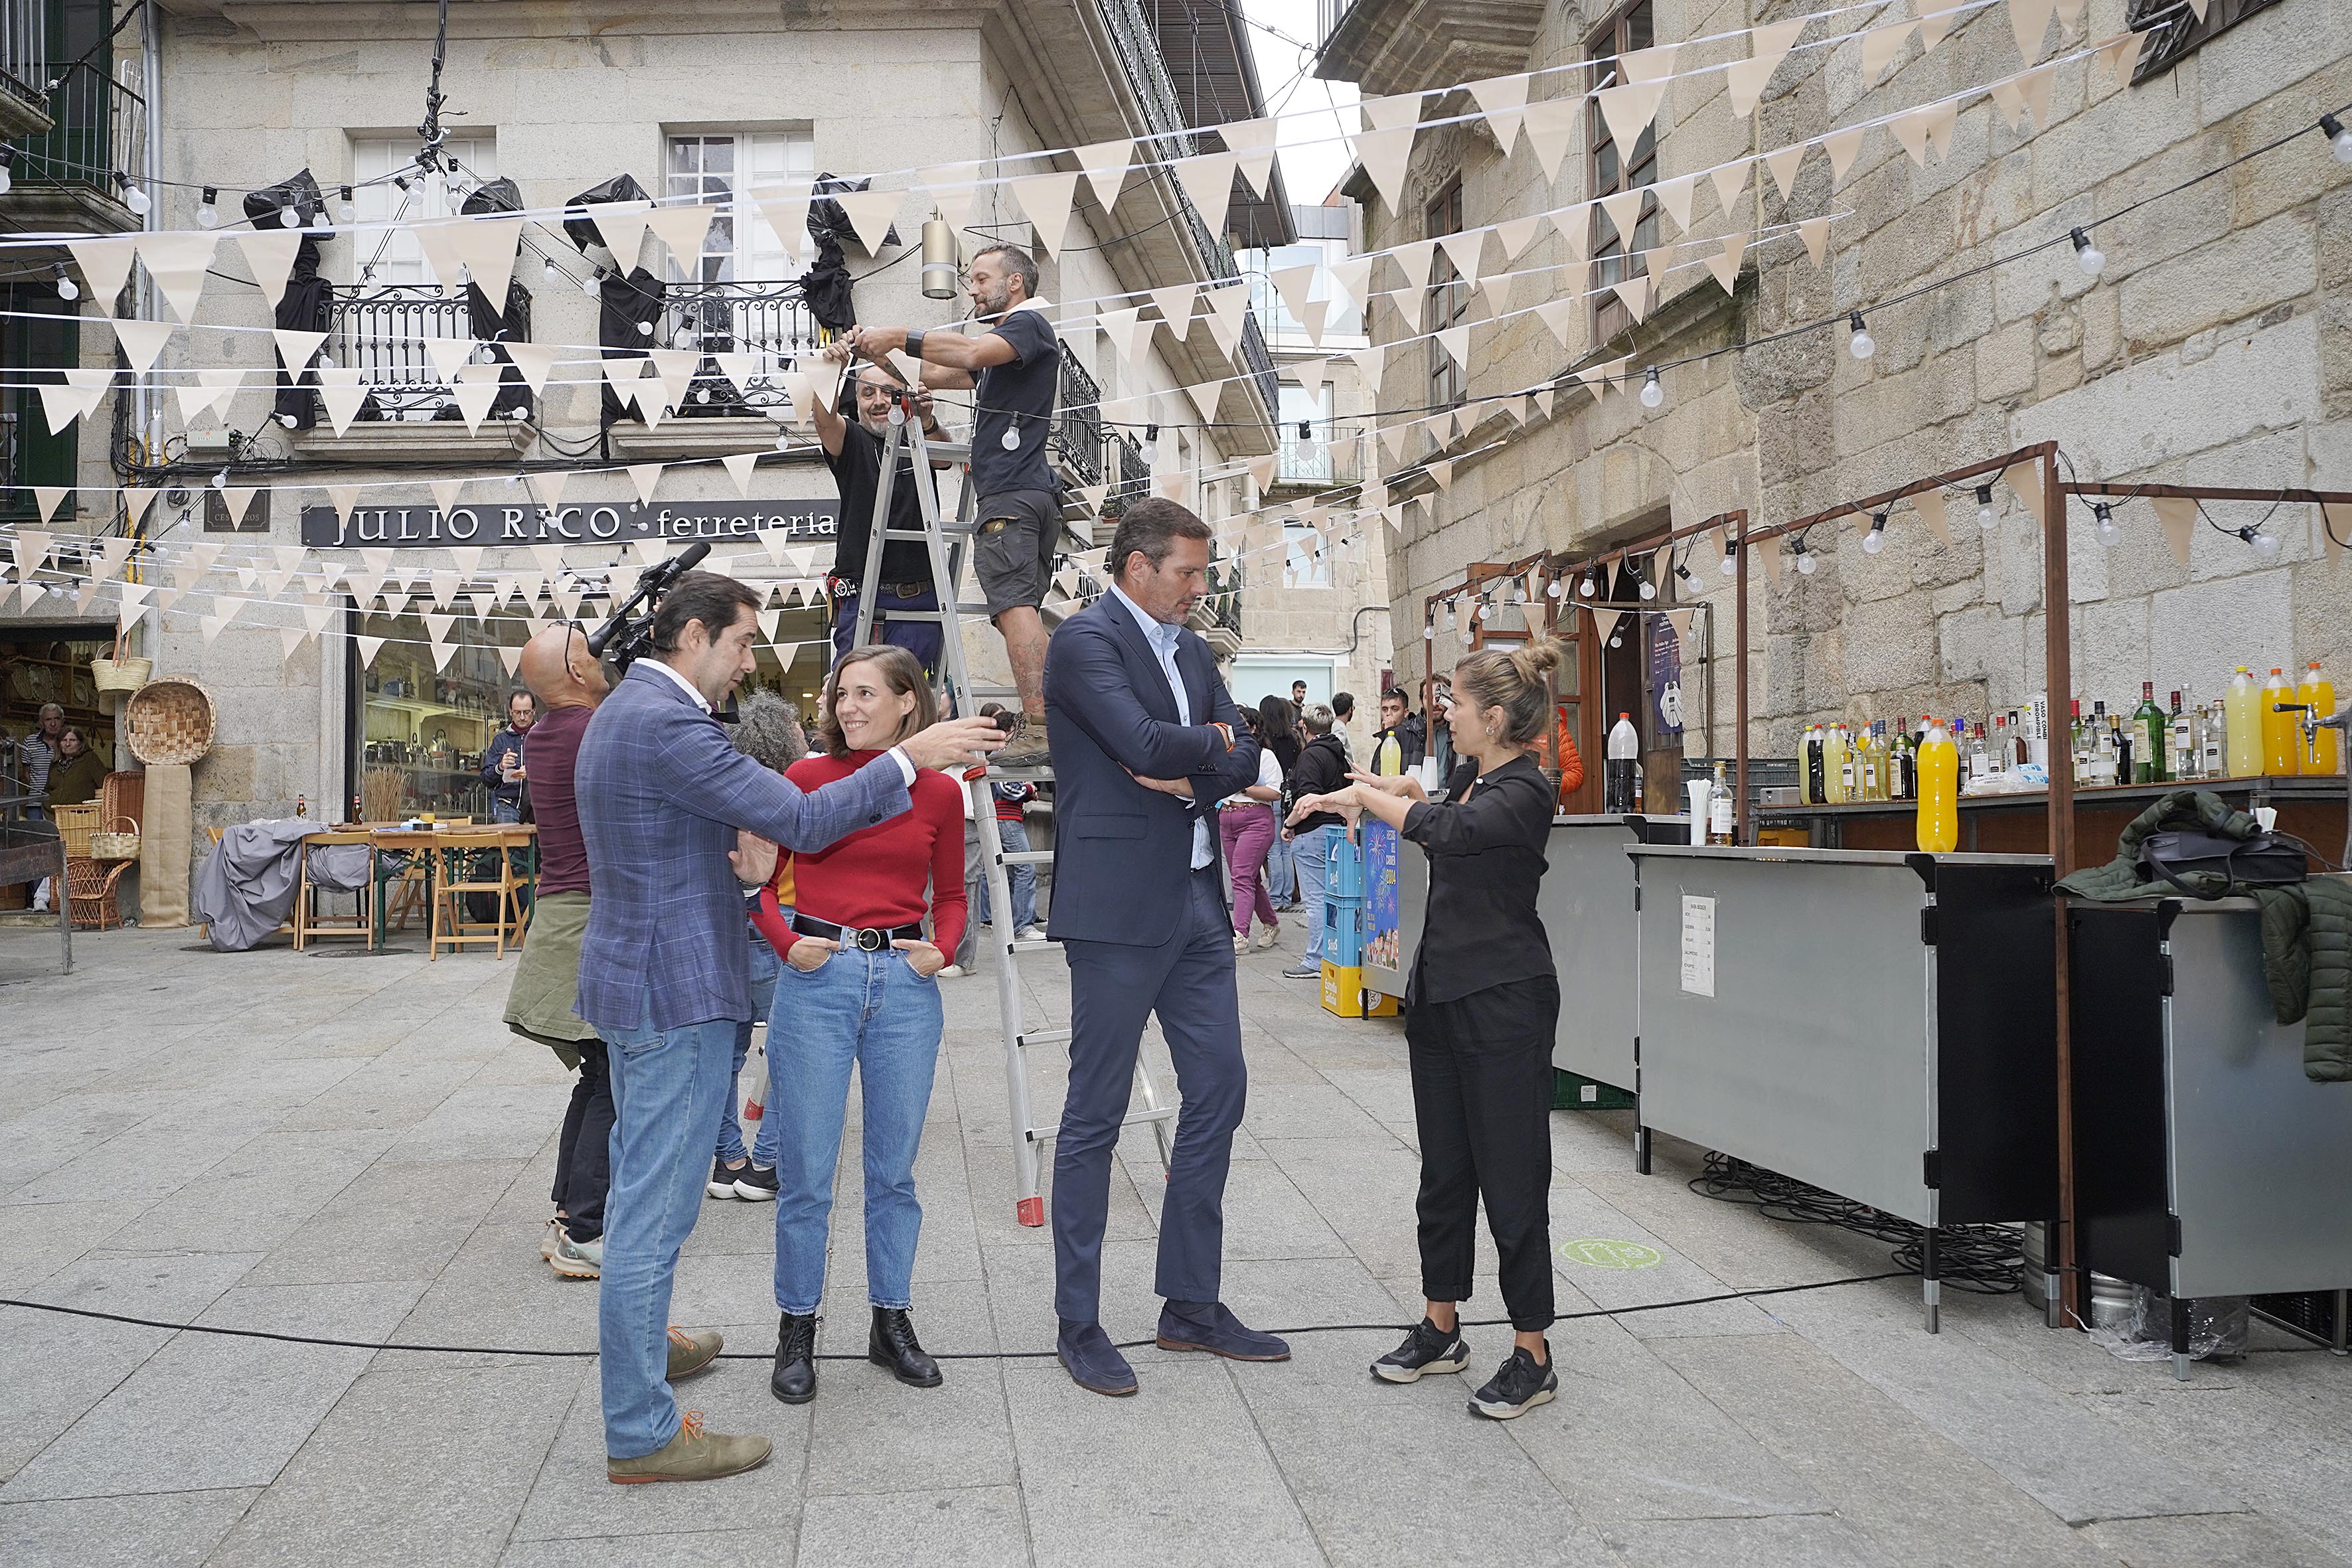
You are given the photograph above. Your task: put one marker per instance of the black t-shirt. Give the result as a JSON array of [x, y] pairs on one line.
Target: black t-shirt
[[1485, 864], [1017, 394], [857, 473]]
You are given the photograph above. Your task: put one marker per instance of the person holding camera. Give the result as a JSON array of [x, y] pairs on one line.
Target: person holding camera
[[675, 818], [859, 985]]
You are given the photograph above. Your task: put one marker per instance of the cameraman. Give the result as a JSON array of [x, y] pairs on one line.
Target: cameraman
[[665, 805]]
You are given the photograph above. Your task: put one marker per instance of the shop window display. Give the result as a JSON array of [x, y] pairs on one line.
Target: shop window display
[[425, 725]]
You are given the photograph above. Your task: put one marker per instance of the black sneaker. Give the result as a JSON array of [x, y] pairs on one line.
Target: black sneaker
[[1427, 1349], [1518, 1386], [754, 1186], [723, 1177]]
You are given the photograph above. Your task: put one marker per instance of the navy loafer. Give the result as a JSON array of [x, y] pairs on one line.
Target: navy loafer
[[1211, 1326], [1092, 1361]]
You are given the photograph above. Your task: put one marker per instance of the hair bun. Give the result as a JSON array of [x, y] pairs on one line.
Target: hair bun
[[1536, 658]]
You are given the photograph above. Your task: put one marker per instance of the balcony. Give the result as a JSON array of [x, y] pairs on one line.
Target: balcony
[[1315, 461], [67, 177], [1218, 615], [1077, 439], [1134, 481], [380, 328], [24, 67], [771, 321], [1410, 46]]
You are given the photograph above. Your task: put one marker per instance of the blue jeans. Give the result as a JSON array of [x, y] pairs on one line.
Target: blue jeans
[[924, 639], [765, 965], [1014, 837], [505, 810], [874, 1009], [1281, 875], [1312, 853], [668, 1087]]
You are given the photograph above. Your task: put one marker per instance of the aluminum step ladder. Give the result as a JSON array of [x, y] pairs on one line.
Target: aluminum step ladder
[[950, 542]]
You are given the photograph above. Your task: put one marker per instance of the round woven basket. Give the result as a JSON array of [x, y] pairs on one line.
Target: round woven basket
[[170, 721]]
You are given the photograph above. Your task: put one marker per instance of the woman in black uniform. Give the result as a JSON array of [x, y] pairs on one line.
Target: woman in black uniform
[[1480, 1011]]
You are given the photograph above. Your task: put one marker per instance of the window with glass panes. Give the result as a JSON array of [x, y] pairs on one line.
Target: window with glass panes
[[1449, 297], [40, 336], [713, 168], [392, 256], [1614, 169]]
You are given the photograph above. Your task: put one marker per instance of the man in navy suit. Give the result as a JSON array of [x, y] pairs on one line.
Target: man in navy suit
[[665, 805], [1146, 741]]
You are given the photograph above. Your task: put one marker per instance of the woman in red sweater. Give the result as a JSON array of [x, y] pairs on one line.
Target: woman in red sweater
[[858, 986]]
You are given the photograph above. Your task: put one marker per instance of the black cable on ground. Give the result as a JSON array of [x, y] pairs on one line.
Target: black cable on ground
[[1988, 1259], [950, 1356]]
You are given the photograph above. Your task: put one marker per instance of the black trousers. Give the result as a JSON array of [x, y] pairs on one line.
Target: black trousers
[[1482, 1100], [583, 1155]]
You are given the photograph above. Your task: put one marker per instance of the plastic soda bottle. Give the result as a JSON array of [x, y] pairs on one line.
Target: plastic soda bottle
[[2281, 735], [1624, 766], [2241, 712], [2316, 689], [1940, 791]]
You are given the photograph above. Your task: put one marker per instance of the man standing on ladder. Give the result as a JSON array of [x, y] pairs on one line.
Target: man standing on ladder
[[853, 450], [1013, 370], [1147, 741]]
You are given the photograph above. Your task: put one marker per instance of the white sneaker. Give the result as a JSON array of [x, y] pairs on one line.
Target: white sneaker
[[1268, 936], [1240, 943], [952, 971], [578, 1260], [1031, 934]]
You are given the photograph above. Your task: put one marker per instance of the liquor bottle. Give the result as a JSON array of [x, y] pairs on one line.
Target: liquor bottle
[[2078, 740], [1939, 793], [2180, 741], [1622, 781], [1871, 765], [1996, 748], [1887, 746], [2243, 723], [1904, 783], [2149, 730], [2122, 733], [301, 806], [2019, 752], [1816, 791], [2281, 745], [1722, 815], [1837, 766], [2326, 754], [2103, 746]]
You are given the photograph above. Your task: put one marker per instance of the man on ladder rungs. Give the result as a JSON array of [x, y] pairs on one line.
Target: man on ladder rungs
[[1013, 370], [854, 449]]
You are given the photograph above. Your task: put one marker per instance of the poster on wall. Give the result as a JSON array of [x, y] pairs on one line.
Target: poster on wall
[[1665, 654]]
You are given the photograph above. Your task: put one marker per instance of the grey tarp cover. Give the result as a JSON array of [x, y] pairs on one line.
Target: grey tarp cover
[[247, 884]]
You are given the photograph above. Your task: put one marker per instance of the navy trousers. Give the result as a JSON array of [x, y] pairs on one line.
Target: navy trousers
[[1187, 981]]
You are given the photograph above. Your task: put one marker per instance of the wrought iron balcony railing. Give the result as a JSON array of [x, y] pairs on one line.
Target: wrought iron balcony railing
[[25, 52], [97, 132], [1134, 480], [1078, 437], [771, 321], [380, 328]]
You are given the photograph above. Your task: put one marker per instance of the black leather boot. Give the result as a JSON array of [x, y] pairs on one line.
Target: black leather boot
[[893, 1344], [795, 1378]]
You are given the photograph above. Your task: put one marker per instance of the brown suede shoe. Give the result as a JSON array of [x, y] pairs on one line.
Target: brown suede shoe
[[690, 1352], [693, 1455]]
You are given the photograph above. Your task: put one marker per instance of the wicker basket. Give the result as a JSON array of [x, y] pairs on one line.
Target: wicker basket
[[171, 722], [107, 845], [75, 825], [121, 674]]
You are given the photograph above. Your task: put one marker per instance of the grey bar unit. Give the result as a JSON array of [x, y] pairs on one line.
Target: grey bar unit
[[1588, 906], [1881, 1024], [2207, 1163]]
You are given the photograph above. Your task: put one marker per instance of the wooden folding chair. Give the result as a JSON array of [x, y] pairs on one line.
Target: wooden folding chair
[[310, 925], [460, 869]]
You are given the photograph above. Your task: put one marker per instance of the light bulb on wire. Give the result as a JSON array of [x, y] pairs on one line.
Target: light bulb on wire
[[2265, 546], [2103, 526], [1863, 344], [2339, 138], [1653, 391], [1587, 587], [1806, 564], [1451, 624], [1649, 589], [8, 164], [1875, 539], [220, 480], [208, 211], [1986, 518], [547, 270], [133, 197], [68, 290], [2088, 256], [1554, 590], [1731, 558], [346, 209], [1429, 630]]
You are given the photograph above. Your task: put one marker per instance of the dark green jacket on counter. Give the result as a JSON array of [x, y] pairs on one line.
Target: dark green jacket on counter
[[2307, 928]]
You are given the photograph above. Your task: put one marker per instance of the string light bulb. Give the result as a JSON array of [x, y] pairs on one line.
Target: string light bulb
[[593, 284], [1451, 624], [1863, 344], [1731, 557], [2088, 256], [346, 209], [1806, 564], [220, 480], [68, 290], [1653, 391], [8, 164], [1985, 519], [2265, 546], [1429, 627], [547, 270], [208, 211], [1555, 591], [319, 221], [2103, 526], [1587, 587], [1683, 574], [2339, 138], [1649, 589], [133, 197], [1875, 539]]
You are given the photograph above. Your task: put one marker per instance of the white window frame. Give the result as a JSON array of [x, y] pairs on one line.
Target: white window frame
[[741, 247], [394, 255]]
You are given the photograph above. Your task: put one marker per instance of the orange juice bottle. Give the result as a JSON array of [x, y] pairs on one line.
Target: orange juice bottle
[[2316, 689], [2281, 736], [1940, 791]]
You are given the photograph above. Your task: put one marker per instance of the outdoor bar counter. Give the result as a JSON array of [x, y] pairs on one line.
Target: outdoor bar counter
[[2312, 808], [1878, 1023]]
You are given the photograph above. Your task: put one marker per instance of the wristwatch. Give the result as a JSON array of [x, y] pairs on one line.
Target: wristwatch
[[915, 344]]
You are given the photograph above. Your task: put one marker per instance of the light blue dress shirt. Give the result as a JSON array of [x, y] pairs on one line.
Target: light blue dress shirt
[[1162, 639]]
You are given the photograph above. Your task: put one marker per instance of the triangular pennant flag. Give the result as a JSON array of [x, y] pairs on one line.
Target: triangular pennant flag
[[535, 361], [1560, 315], [2120, 56], [1293, 283], [673, 368], [437, 242], [176, 261], [343, 497], [1623, 210], [625, 375], [1911, 131], [61, 406], [549, 483], [136, 499], [1205, 395], [1129, 334], [33, 549], [1730, 183], [444, 496], [297, 346], [1628, 107], [682, 229], [485, 248], [786, 211], [1175, 302], [1466, 251], [1674, 197], [1413, 260], [2335, 517], [1261, 470], [870, 212], [292, 637], [2036, 85], [1550, 126], [142, 342], [1208, 179], [739, 466], [623, 224], [1841, 146], [1456, 341], [1932, 512], [105, 265], [2178, 517], [438, 626], [1516, 235], [1252, 140], [1045, 199], [1441, 472], [1495, 289], [2010, 99], [1815, 233], [477, 388], [1384, 154], [340, 391], [1104, 164], [1635, 294], [1369, 363], [644, 476], [1768, 552], [1935, 25], [1605, 621], [2029, 20], [270, 253], [2024, 482], [315, 616], [1783, 163], [1769, 46], [1725, 263], [1502, 100], [1941, 120], [448, 355], [510, 655], [1879, 47], [237, 498], [1228, 306], [47, 499]]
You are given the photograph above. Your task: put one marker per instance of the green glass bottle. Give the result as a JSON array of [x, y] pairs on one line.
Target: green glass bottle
[[2151, 726]]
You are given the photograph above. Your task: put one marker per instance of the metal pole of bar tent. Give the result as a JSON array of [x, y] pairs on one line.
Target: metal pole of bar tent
[[2207, 492]]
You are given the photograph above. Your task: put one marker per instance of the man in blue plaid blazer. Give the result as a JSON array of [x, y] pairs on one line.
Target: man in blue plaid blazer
[[676, 821]]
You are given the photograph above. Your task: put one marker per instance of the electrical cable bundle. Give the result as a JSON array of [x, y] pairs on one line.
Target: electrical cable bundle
[[1988, 1259]]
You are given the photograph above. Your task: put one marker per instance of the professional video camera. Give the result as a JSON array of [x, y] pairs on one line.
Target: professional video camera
[[628, 633]]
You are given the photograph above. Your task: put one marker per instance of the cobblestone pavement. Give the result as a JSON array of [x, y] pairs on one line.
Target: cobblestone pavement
[[353, 1147]]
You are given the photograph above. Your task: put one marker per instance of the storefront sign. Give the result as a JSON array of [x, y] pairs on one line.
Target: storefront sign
[[428, 527]]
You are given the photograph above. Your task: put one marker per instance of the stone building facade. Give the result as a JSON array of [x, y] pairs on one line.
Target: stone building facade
[[2210, 350]]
